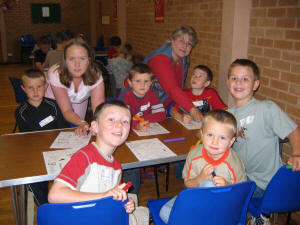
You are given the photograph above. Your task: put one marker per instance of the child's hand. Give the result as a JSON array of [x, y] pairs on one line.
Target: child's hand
[[206, 172], [219, 181], [117, 193], [142, 126], [186, 119], [129, 206], [295, 162], [197, 116]]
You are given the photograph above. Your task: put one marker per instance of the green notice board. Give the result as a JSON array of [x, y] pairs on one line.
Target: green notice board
[[45, 13]]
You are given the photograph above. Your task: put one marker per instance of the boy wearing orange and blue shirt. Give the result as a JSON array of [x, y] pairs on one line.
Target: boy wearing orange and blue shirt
[[213, 163]]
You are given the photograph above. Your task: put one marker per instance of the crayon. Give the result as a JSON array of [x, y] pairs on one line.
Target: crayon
[[141, 120], [213, 174], [174, 139], [289, 167], [127, 186], [183, 110]]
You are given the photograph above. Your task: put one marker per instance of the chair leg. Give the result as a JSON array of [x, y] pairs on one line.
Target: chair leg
[[288, 218], [275, 218], [156, 182], [167, 177], [15, 128]]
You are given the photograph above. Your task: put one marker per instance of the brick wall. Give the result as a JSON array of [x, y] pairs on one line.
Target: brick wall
[[108, 30], [204, 16], [74, 16], [274, 44]]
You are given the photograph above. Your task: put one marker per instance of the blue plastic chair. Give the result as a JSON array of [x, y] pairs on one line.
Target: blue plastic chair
[[104, 211], [281, 195], [207, 206]]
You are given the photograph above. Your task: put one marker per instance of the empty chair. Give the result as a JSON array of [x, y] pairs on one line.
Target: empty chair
[[20, 95], [281, 195], [207, 206], [27, 45], [104, 211]]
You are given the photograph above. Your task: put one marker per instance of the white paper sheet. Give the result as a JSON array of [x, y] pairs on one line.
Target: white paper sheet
[[56, 160], [155, 129], [70, 140], [193, 125], [149, 149]]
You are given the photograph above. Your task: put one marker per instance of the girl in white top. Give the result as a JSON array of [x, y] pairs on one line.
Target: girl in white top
[[73, 82]]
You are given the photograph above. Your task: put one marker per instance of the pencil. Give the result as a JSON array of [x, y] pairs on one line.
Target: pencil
[[184, 111], [141, 120]]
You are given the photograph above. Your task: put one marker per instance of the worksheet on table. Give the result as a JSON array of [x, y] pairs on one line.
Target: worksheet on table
[[149, 149], [56, 160], [155, 129], [193, 125], [70, 140]]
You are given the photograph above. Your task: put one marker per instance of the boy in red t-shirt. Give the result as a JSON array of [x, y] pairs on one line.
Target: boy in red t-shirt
[[203, 97]]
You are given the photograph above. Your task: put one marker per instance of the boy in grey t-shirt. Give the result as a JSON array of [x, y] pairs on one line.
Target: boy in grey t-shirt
[[260, 124]]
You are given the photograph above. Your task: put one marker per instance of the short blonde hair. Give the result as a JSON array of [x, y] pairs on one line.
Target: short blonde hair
[[223, 117], [184, 29], [33, 73]]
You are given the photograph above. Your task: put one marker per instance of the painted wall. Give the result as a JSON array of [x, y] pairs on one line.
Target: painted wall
[[74, 16]]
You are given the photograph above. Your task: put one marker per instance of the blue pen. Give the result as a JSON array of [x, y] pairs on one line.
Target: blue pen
[[174, 139]]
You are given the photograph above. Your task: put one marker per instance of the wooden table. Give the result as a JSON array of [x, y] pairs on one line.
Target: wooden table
[[21, 159]]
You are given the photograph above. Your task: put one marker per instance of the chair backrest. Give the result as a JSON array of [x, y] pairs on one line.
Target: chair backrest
[[20, 95], [211, 206], [283, 192], [27, 41], [104, 211]]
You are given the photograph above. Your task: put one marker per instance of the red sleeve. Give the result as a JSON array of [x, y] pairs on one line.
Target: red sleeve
[[161, 66], [134, 123], [74, 169], [158, 112], [216, 101]]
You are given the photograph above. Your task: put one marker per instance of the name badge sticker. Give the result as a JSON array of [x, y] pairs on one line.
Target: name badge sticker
[[45, 121]]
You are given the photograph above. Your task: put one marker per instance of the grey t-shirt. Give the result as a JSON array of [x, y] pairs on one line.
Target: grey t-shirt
[[53, 57], [263, 123]]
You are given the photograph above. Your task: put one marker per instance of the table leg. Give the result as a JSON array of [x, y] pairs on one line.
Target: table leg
[[14, 198], [23, 199]]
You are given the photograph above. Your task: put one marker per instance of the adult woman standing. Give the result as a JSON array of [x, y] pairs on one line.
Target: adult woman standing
[[169, 64], [73, 82]]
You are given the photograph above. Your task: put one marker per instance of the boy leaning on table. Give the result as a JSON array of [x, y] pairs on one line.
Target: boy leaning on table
[[260, 124], [35, 114], [93, 173]]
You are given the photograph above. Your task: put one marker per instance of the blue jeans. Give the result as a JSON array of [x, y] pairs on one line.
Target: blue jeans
[[165, 211]]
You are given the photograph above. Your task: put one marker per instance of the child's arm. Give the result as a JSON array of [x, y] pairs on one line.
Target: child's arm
[[294, 138], [60, 193], [204, 175]]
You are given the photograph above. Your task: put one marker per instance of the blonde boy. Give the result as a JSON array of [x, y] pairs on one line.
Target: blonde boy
[[213, 163], [140, 99], [93, 172], [35, 114], [38, 112], [260, 124], [203, 97]]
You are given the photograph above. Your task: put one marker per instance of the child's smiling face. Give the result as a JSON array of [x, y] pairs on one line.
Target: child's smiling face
[[112, 127], [242, 84], [217, 137]]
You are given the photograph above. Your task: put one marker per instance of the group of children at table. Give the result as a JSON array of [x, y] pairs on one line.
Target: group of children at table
[[251, 127]]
